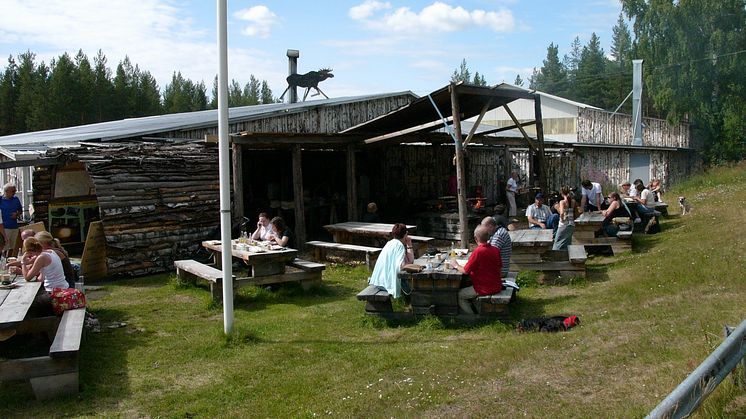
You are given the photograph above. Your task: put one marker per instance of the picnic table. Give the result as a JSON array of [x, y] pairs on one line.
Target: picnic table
[[586, 226], [530, 244], [15, 303], [49, 375], [266, 261], [353, 232]]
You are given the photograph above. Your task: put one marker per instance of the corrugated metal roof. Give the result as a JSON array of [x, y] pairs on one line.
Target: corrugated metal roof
[[136, 127]]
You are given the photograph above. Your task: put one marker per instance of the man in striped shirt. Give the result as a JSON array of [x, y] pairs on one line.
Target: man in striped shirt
[[499, 237]]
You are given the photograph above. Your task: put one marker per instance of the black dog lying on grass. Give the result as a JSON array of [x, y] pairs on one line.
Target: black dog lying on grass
[[548, 324]]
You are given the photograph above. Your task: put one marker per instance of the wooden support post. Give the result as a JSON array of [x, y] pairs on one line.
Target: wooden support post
[[460, 169], [474, 127], [520, 128], [507, 171], [351, 185], [238, 208], [540, 139], [298, 208]]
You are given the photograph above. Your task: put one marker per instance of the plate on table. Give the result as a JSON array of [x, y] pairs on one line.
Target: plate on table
[[10, 286], [461, 252], [256, 249]]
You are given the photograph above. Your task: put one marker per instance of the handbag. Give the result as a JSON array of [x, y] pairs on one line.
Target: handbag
[[66, 299]]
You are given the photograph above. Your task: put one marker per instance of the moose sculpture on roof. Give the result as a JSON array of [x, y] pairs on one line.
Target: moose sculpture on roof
[[309, 80]]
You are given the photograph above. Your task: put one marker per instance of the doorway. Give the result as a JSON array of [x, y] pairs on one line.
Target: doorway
[[639, 167]]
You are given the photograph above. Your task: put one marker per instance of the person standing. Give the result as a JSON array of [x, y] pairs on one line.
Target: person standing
[[12, 210], [510, 191], [566, 225], [592, 196], [484, 267]]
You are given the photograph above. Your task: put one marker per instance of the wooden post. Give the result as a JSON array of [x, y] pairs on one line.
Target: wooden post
[[351, 185], [540, 139], [460, 170], [238, 209], [507, 171], [298, 207]]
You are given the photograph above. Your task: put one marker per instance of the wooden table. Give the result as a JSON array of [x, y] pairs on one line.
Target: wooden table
[[586, 226], [262, 263], [435, 291], [367, 234], [529, 245], [15, 303]]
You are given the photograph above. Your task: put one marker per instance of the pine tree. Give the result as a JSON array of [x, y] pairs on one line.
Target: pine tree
[[266, 93], [25, 91], [85, 87], [251, 92], [8, 97], [148, 95], [462, 73], [63, 93], [102, 89], [41, 115], [518, 80], [592, 81], [235, 94], [552, 77], [620, 68], [571, 61], [125, 89]]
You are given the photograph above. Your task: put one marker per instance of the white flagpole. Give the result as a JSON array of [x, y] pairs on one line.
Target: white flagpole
[[224, 165]]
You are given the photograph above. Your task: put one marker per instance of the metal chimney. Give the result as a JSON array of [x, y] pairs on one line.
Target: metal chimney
[[293, 55], [637, 102]]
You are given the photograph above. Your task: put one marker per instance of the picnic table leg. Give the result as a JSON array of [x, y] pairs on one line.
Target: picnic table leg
[[218, 259]]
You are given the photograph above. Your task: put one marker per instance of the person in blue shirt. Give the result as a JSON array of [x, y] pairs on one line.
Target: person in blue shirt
[[12, 211]]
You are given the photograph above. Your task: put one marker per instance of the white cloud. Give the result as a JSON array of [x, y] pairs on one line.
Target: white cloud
[[437, 17], [155, 34], [261, 18], [367, 9]]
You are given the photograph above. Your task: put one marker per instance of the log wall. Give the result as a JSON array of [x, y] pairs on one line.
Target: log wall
[[601, 127], [318, 120], [157, 203]]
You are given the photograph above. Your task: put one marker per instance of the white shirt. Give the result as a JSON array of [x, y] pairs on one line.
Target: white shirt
[[632, 191], [512, 185], [591, 194], [648, 197], [265, 232], [54, 274]]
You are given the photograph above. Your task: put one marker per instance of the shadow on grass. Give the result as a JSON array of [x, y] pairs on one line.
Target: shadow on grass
[[102, 365]]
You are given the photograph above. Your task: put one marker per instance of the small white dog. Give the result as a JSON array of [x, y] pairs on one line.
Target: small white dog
[[685, 207]]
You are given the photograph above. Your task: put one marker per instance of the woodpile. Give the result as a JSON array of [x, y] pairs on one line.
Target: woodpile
[[157, 202]]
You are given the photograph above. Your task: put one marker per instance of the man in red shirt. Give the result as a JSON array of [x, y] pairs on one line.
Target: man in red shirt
[[483, 268]]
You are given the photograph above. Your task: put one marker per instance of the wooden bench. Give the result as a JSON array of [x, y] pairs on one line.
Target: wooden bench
[[56, 374], [495, 305], [421, 244], [320, 248], [377, 300], [557, 264], [190, 270], [310, 272]]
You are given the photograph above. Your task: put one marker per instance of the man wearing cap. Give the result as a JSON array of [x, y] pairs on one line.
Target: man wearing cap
[[539, 215]]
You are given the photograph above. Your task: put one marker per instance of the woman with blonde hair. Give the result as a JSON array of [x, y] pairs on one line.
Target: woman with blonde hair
[[50, 243], [44, 264]]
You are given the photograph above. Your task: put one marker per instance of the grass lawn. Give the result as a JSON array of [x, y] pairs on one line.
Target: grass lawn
[[648, 318]]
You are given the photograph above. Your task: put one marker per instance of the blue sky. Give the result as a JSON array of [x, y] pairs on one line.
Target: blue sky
[[373, 46]]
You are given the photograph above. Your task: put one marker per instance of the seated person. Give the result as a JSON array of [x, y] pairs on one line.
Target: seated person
[[655, 189], [15, 267], [484, 267], [396, 253], [500, 238], [633, 189], [49, 243], [539, 215], [624, 189], [263, 228], [616, 209], [46, 266], [644, 196], [281, 234], [592, 196], [371, 214]]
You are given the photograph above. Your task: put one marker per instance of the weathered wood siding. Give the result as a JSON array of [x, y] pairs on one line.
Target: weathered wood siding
[[324, 119], [601, 127], [157, 203]]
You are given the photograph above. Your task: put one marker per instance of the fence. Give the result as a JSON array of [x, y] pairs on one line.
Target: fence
[[703, 381]]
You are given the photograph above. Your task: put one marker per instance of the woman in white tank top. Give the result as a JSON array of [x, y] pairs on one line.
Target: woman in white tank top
[[45, 265], [566, 226]]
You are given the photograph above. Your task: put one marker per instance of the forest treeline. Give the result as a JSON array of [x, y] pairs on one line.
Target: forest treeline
[[694, 55], [75, 91]]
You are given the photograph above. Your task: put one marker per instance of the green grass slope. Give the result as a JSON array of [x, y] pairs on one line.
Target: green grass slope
[[649, 317]]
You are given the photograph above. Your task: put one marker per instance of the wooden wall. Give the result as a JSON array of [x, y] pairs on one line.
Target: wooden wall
[[318, 119], [601, 127], [157, 202]]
